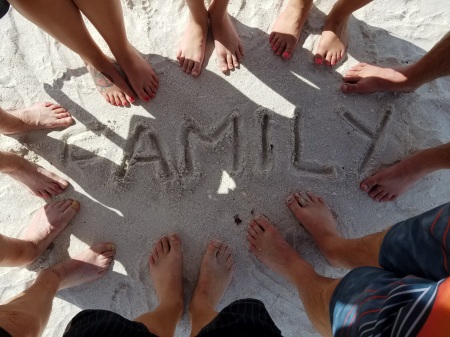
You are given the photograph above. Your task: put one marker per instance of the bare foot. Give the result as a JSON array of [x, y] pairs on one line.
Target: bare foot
[[229, 48], [38, 180], [47, 223], [365, 79], [85, 267], [139, 74], [270, 247], [311, 211], [388, 184], [39, 116], [286, 30], [111, 85], [333, 42], [191, 52], [166, 271], [216, 273]]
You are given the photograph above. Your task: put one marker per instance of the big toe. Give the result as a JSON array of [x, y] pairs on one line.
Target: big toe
[[348, 88], [175, 242], [213, 248], [367, 184]]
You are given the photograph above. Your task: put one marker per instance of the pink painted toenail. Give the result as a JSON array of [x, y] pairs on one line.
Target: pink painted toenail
[[286, 55], [319, 61], [146, 98]]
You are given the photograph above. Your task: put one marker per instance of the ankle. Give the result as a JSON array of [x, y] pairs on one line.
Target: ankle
[[176, 306], [200, 302], [412, 73], [29, 252], [11, 163], [50, 279]]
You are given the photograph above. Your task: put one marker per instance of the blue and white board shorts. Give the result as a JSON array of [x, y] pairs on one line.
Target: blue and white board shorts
[[396, 299]]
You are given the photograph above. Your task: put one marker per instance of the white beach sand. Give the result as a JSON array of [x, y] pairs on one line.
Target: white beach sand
[[226, 147]]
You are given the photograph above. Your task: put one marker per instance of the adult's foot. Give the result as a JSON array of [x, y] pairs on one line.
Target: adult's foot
[[228, 45], [111, 84], [365, 79], [191, 52], [38, 180], [166, 271], [286, 31], [46, 224], [390, 183], [216, 273], [85, 267], [333, 41], [39, 116], [270, 247], [312, 212], [139, 74]]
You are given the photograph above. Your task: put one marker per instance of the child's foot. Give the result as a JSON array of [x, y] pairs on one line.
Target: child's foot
[[365, 79], [39, 116], [166, 272], [216, 272], [270, 247], [111, 85], [229, 48], [390, 183], [191, 52], [286, 30], [86, 267], [139, 74], [311, 211], [333, 42], [46, 224], [38, 180]]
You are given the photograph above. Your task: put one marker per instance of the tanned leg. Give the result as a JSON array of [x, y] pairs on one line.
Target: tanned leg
[[229, 48], [37, 117], [315, 291], [390, 183], [38, 180], [286, 30], [27, 314], [312, 212], [333, 42], [364, 78], [62, 20], [107, 17], [191, 52], [46, 224], [166, 271], [216, 272]]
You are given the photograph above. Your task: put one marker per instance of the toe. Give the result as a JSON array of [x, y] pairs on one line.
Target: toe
[[123, 99], [318, 59], [301, 200], [380, 196], [159, 247], [197, 69], [271, 36], [223, 63], [288, 52], [213, 247], [312, 196], [374, 192], [165, 244], [62, 114], [230, 62], [263, 222], [293, 205], [65, 121], [221, 253], [367, 184], [174, 241], [181, 60], [276, 45], [235, 61], [387, 197], [103, 248], [256, 228], [190, 66], [281, 48]]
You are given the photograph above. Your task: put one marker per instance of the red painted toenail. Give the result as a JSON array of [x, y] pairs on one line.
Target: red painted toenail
[[286, 55], [131, 99], [319, 61]]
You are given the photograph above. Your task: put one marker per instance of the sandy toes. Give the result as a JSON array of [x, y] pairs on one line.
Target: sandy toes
[[333, 43], [87, 266], [38, 180], [286, 31], [311, 211], [39, 116], [191, 52], [365, 79], [216, 273], [47, 223], [166, 270], [228, 45]]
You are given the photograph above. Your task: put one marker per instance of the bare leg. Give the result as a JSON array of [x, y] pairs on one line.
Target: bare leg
[[107, 17], [191, 52], [315, 291], [388, 184], [364, 78], [39, 181], [166, 269], [229, 48], [286, 30], [27, 314], [39, 116], [316, 217], [216, 272], [46, 224], [62, 20], [334, 39]]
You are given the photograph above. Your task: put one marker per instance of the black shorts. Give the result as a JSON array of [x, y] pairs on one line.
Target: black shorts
[[4, 7], [243, 318]]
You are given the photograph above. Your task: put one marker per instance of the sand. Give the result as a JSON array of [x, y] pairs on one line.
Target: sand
[[210, 149]]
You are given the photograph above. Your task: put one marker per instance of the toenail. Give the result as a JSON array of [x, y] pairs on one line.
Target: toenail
[[286, 55], [75, 205], [132, 99], [290, 200], [111, 246], [172, 237], [216, 243], [260, 217]]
